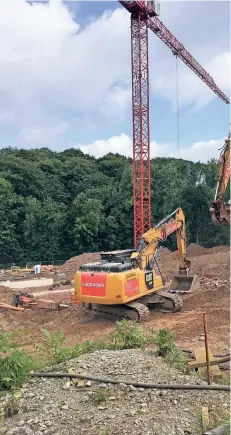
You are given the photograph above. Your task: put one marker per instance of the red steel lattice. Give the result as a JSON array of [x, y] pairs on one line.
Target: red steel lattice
[[141, 139], [144, 16], [178, 49]]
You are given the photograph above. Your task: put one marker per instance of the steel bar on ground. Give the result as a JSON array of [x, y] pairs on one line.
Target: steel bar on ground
[[206, 349]]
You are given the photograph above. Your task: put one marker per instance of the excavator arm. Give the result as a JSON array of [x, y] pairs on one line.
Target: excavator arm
[[147, 245], [220, 210]]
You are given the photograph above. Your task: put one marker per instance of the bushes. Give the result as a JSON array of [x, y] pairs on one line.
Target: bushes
[[15, 364], [165, 342], [128, 335]]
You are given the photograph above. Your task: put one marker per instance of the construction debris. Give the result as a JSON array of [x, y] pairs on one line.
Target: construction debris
[[30, 301], [200, 361], [10, 307]]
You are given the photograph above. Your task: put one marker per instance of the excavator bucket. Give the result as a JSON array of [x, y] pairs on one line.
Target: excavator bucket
[[183, 283], [220, 214]]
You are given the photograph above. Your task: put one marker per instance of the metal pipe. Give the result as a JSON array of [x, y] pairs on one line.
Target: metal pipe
[[206, 349], [135, 384]]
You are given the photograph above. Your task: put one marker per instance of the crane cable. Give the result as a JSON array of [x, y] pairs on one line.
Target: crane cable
[[177, 108]]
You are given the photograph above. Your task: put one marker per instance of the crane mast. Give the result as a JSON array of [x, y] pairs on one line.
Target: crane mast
[[143, 17]]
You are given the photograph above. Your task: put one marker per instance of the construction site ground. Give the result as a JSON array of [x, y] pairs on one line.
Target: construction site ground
[[212, 296]]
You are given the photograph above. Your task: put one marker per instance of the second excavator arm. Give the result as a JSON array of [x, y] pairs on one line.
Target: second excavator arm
[[220, 210], [146, 247]]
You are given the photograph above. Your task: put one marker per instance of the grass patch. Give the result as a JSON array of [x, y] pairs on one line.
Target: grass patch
[[128, 335], [15, 364], [101, 396], [105, 431], [166, 347]]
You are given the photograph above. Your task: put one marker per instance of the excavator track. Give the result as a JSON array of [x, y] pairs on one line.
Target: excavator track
[[135, 311], [142, 310], [171, 302], [138, 311]]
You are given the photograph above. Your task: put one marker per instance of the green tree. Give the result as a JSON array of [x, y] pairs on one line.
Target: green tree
[[89, 221]]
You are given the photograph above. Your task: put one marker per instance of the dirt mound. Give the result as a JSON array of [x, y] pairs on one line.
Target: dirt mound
[[212, 263], [5, 294], [216, 265], [194, 250], [163, 254], [72, 265]]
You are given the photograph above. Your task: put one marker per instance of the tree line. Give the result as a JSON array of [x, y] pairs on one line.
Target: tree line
[[55, 205]]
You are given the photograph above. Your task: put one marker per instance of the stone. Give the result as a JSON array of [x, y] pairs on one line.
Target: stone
[[67, 385], [162, 393], [132, 388], [132, 412]]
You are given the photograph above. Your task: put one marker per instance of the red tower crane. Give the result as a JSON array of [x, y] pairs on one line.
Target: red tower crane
[[144, 17]]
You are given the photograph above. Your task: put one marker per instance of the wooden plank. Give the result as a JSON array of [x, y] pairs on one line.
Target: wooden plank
[[200, 356], [78, 382], [75, 381], [10, 307], [205, 417]]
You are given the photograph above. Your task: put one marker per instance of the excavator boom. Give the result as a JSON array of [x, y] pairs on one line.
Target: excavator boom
[[220, 210], [147, 245]]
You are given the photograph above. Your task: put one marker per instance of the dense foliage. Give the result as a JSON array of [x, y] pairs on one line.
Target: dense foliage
[[57, 205]]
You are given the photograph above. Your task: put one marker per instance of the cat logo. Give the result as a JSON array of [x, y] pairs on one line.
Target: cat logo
[[149, 280]]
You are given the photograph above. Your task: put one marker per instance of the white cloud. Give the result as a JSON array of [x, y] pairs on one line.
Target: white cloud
[[191, 89], [116, 103], [199, 151], [117, 144], [42, 135], [50, 66]]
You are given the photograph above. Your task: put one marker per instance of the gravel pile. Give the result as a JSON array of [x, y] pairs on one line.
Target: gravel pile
[[57, 406]]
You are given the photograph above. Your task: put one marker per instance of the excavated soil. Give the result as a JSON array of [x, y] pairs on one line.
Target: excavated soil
[[72, 265], [212, 296]]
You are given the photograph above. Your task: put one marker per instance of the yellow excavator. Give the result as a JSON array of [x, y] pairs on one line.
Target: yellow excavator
[[220, 210], [125, 284]]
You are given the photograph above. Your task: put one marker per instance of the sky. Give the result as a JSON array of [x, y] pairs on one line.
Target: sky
[[65, 78]]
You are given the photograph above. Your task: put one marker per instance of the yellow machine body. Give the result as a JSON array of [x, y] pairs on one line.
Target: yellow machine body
[[126, 283], [115, 288]]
